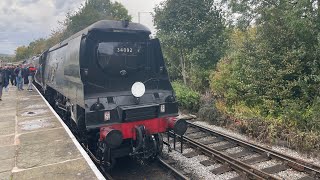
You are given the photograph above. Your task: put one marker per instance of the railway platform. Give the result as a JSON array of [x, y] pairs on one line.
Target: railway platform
[[35, 144]]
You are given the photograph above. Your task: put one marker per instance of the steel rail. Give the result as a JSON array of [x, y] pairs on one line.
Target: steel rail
[[242, 168], [177, 174], [292, 162]]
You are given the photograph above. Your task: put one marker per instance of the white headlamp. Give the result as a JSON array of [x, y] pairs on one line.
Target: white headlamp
[[138, 89]]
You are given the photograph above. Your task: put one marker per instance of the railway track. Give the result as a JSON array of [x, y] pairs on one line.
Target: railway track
[[176, 173], [203, 140]]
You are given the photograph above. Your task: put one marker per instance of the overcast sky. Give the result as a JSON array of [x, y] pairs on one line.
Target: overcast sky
[[22, 21]]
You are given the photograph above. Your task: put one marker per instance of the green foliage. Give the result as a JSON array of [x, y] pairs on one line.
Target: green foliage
[[273, 67], [192, 36], [91, 12], [22, 52], [187, 98]]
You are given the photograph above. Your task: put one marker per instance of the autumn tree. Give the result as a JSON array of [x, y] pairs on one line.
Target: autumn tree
[[21, 53], [192, 34], [272, 66], [91, 12]]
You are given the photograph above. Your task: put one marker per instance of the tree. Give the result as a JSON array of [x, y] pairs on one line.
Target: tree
[[21, 53], [276, 72], [93, 11], [192, 33]]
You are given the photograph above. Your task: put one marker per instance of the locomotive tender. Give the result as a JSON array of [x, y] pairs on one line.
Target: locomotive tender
[[110, 84]]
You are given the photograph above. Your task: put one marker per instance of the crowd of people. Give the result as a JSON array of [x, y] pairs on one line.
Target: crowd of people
[[17, 76]]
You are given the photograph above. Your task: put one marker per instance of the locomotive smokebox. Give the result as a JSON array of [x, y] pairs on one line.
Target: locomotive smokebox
[[179, 126], [112, 138]]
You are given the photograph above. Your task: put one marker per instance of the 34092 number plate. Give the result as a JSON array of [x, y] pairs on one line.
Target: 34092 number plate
[[128, 51], [124, 50]]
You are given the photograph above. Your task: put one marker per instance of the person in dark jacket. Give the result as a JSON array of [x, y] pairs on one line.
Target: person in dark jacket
[[2, 76], [25, 75], [12, 77], [19, 77], [6, 78], [31, 72]]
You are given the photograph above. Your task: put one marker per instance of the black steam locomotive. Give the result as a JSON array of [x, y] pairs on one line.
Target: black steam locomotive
[[110, 84]]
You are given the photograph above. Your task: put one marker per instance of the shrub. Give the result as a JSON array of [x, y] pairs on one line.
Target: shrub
[[188, 99]]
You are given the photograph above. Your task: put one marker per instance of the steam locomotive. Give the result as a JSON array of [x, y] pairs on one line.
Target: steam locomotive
[[110, 84]]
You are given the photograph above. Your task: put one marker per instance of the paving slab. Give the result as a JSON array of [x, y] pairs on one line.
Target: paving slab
[[5, 116], [34, 144], [32, 124], [43, 137], [6, 140], [7, 123], [71, 170], [6, 175], [7, 152], [7, 130], [6, 165], [46, 153]]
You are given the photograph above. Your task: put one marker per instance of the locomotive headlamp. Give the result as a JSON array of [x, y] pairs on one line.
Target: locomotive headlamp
[[138, 89]]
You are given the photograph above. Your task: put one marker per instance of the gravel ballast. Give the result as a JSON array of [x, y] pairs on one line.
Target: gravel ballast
[[279, 149], [291, 174], [193, 165]]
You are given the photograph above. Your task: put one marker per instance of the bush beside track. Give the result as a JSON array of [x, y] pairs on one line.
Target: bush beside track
[[271, 131], [188, 99]]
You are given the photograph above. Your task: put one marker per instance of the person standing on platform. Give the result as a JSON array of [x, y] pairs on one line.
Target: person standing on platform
[[1, 81], [25, 74], [31, 71], [6, 78], [12, 77], [19, 77]]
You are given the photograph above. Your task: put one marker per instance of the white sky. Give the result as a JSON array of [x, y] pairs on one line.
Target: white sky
[[22, 21]]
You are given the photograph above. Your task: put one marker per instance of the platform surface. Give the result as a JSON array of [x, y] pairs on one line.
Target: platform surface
[[35, 145]]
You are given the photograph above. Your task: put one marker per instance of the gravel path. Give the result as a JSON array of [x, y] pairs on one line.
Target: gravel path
[[283, 150]]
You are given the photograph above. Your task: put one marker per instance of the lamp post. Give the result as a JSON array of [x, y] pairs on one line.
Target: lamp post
[[139, 14]]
